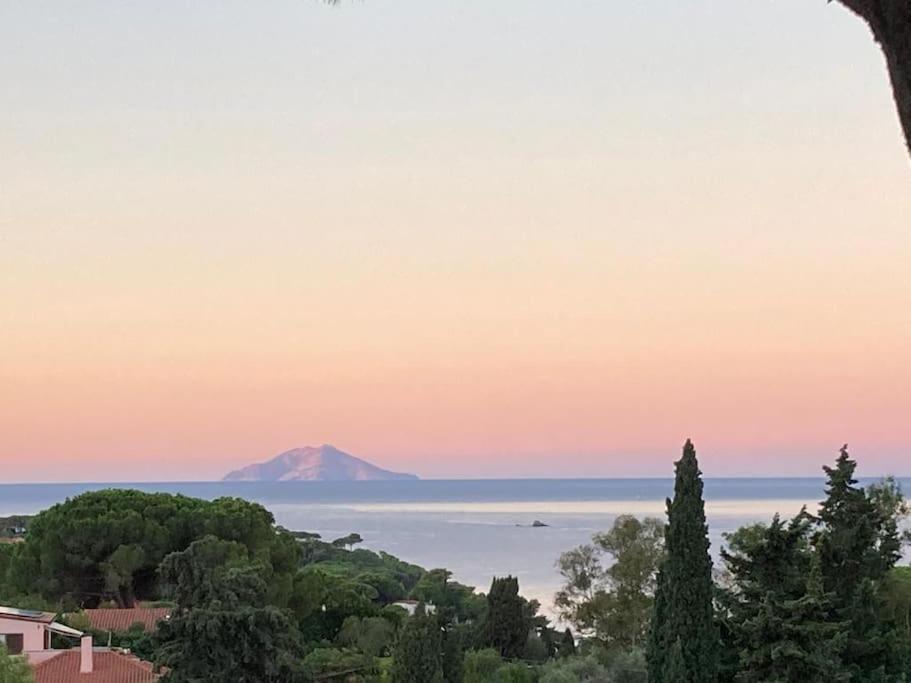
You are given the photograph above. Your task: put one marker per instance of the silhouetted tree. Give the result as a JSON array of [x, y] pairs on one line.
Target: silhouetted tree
[[778, 615], [683, 618], [890, 22], [567, 645], [857, 543], [506, 628]]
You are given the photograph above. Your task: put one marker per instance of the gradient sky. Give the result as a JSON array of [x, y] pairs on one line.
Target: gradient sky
[[460, 237]]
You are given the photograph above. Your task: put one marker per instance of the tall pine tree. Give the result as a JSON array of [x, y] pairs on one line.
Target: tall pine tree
[[684, 646], [777, 614], [857, 544]]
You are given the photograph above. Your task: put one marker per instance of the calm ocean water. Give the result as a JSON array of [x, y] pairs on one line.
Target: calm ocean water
[[475, 528]]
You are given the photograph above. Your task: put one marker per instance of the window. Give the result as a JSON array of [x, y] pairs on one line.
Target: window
[[13, 642]]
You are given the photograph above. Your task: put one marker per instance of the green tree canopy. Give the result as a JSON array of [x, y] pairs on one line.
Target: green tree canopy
[[481, 666], [777, 612], [506, 627], [223, 629], [683, 617], [14, 669], [107, 545], [374, 636], [857, 543], [613, 604], [418, 653]]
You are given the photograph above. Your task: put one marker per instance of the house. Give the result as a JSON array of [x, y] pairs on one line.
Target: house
[[123, 620], [94, 665], [28, 632], [411, 606]]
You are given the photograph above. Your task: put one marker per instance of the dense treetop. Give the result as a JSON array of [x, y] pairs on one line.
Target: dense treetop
[[107, 545]]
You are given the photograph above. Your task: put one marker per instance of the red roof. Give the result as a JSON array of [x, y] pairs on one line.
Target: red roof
[[108, 667], [120, 620]]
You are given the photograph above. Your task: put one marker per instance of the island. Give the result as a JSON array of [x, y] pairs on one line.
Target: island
[[315, 463]]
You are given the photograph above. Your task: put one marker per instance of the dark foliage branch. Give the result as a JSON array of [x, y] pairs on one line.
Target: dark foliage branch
[[890, 21]]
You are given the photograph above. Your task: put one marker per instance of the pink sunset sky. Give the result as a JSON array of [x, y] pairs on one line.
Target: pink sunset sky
[[460, 239]]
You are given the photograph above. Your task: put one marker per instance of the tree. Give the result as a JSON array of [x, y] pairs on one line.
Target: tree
[[515, 672], [567, 645], [246, 644], [777, 614], [578, 669], [348, 541], [897, 598], [454, 602], [888, 498], [418, 654], [481, 665], [890, 22], [107, 545], [506, 628], [223, 628], [373, 636], [683, 615], [613, 604], [857, 544], [535, 649], [583, 580], [453, 662], [325, 663], [676, 670], [14, 669]]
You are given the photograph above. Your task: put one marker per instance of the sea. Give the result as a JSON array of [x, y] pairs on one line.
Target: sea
[[477, 529]]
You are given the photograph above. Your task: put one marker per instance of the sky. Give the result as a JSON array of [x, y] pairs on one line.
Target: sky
[[457, 238]]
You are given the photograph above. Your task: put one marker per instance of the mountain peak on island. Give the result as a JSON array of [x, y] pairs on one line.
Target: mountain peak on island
[[314, 463]]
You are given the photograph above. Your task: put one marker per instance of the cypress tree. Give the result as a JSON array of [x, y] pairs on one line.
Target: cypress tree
[[418, 655], [683, 643], [567, 644], [453, 655], [506, 629], [675, 669]]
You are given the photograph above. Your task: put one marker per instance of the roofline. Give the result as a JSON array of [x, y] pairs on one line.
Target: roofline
[[64, 630], [45, 618]]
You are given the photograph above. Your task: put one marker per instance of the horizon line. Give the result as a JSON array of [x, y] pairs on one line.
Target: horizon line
[[147, 482]]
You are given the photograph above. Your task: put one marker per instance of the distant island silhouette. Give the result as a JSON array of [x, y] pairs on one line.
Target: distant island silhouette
[[315, 463]]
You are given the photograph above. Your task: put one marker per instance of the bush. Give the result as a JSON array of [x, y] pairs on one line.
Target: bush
[[576, 668], [481, 665], [14, 669], [535, 649], [515, 672], [328, 661]]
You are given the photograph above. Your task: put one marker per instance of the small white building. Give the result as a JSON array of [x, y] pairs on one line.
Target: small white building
[[411, 606]]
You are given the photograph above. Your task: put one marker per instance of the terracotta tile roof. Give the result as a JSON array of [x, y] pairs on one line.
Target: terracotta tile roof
[[108, 667], [120, 620]]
